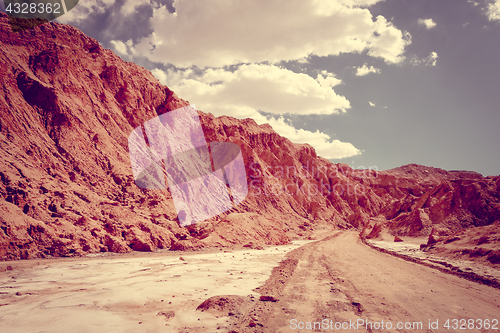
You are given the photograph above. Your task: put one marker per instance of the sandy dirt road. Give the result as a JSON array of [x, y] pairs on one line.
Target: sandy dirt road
[[340, 281]]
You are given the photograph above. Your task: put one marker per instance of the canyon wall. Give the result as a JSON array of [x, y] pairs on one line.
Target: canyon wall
[[67, 108]]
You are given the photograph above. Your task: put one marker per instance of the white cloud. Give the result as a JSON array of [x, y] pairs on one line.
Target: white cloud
[[123, 49], [250, 88], [130, 5], [390, 42], [83, 9], [223, 32], [371, 104], [430, 60], [257, 87], [119, 47], [160, 75], [359, 3], [428, 23], [493, 11], [365, 70], [325, 147]]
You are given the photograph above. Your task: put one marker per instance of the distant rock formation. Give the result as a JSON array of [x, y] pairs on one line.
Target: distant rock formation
[[66, 186], [397, 239]]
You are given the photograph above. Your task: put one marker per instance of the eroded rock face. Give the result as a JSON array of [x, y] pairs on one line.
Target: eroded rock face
[[67, 109], [66, 186]]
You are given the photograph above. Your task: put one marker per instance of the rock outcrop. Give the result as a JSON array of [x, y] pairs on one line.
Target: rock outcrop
[[66, 187]]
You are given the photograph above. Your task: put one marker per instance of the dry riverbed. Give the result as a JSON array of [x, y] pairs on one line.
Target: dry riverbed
[[129, 293]]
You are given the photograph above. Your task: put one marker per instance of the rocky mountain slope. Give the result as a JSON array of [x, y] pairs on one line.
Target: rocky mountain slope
[[66, 187]]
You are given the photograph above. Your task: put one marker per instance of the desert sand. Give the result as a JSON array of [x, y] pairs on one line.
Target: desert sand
[[128, 293]]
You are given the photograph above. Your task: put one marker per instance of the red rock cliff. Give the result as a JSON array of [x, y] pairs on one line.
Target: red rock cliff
[[66, 187]]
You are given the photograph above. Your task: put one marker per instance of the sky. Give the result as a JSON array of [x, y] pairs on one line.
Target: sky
[[372, 83]]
